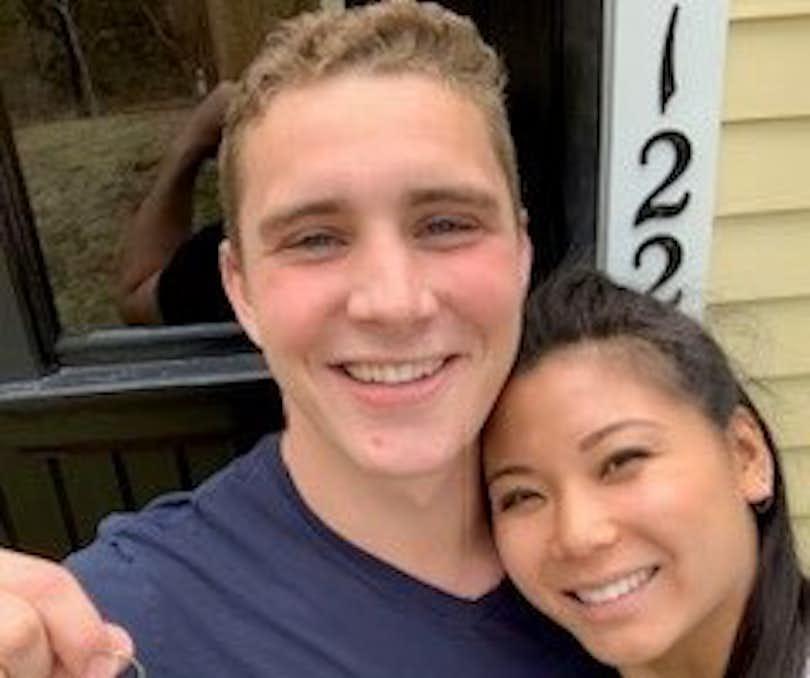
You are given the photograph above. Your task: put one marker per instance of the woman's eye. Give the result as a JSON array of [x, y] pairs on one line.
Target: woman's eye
[[517, 497], [622, 461]]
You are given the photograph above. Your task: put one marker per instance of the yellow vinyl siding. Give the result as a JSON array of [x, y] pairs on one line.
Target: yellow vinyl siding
[[759, 279], [785, 404], [764, 166], [797, 471], [759, 9], [766, 72], [773, 336], [760, 256]]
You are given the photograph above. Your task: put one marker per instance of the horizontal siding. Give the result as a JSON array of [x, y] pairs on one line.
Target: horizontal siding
[[758, 9], [797, 473], [785, 403], [760, 256], [764, 167], [769, 338], [766, 71]]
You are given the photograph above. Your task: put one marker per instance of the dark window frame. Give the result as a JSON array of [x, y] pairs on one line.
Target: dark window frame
[[24, 282], [44, 371]]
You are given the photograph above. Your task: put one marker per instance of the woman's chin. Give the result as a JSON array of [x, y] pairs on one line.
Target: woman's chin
[[623, 654]]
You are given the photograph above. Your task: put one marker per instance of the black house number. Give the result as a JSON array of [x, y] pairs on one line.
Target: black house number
[[654, 207], [682, 147]]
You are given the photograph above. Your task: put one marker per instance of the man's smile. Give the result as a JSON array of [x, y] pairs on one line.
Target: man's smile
[[393, 373]]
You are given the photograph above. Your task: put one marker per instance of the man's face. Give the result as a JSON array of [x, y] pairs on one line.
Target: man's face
[[382, 271]]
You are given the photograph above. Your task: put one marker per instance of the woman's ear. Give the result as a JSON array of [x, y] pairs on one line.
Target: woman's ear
[[753, 459]]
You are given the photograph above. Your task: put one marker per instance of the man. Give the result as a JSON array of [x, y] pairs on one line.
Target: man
[[168, 274], [377, 253]]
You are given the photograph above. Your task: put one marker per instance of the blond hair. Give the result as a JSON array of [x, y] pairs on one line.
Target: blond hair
[[387, 38]]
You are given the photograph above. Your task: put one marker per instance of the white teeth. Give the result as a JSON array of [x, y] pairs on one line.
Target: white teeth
[[616, 589], [393, 373]]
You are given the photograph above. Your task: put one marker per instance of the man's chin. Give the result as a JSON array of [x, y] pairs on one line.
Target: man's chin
[[408, 452]]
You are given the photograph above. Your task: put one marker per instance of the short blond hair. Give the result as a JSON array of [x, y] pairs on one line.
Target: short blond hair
[[388, 38]]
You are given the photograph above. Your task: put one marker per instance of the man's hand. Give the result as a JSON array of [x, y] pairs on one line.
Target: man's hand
[[48, 626]]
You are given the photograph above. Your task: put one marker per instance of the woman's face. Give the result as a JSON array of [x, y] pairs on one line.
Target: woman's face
[[620, 510]]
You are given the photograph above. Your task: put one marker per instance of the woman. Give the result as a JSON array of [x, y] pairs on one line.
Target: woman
[[636, 492]]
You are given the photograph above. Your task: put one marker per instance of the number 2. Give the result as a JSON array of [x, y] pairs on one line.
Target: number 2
[[683, 157], [674, 253]]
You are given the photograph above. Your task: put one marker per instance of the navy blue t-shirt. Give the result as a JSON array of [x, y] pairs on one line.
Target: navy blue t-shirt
[[240, 579]]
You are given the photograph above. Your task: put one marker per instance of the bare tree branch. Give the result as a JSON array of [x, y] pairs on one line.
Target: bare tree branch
[[76, 54], [168, 41]]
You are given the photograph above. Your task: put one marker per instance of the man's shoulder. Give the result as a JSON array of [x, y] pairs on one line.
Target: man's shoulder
[[174, 523], [183, 549]]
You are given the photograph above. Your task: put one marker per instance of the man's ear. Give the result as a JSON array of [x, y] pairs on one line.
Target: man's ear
[[526, 248], [233, 280], [753, 460]]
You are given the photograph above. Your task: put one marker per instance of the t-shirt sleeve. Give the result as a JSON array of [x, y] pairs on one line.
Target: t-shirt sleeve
[[112, 577]]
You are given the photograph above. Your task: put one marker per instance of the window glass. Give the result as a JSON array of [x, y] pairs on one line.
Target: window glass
[[97, 91]]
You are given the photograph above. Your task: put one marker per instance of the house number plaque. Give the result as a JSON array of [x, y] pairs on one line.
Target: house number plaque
[[662, 91]]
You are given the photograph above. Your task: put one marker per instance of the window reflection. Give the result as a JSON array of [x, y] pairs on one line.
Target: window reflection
[[98, 91]]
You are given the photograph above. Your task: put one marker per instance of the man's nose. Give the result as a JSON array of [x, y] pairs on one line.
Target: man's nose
[[391, 284], [583, 525]]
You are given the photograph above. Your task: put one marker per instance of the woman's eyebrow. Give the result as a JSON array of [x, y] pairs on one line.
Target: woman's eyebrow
[[594, 438], [511, 470]]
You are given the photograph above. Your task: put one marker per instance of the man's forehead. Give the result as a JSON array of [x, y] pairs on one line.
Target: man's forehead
[[304, 156], [366, 99]]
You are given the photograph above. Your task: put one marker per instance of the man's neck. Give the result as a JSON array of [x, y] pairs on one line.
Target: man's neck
[[432, 527]]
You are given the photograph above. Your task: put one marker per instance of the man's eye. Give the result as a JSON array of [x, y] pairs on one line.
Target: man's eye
[[315, 242], [444, 225], [520, 496], [622, 462]]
